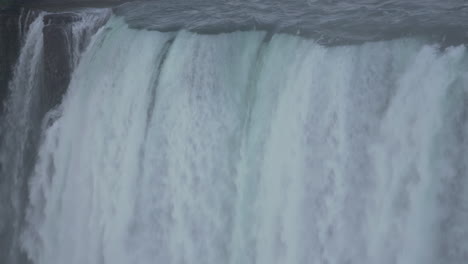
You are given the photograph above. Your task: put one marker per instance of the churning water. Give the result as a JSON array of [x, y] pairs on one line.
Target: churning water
[[245, 147]]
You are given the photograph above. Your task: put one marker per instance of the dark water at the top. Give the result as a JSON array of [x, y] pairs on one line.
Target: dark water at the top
[[327, 21]]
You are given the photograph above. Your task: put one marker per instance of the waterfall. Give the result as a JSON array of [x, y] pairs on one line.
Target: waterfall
[[16, 136], [28, 102], [246, 148]]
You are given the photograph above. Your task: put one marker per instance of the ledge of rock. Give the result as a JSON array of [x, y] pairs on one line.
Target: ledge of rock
[[58, 55]]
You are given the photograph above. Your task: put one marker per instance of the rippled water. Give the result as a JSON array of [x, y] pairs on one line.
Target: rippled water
[[327, 21]]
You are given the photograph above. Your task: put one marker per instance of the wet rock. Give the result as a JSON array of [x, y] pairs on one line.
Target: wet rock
[[58, 55], [9, 49]]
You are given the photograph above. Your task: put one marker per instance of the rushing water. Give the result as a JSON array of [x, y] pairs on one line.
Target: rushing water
[[21, 125], [241, 148]]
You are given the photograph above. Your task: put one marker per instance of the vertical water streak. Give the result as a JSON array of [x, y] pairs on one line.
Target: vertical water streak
[[83, 30], [19, 127], [192, 147]]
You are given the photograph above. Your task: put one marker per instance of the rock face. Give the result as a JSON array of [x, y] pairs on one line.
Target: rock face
[[58, 55], [61, 47], [59, 50], [9, 48]]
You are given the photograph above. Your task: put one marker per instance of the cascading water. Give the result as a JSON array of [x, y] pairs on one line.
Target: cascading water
[[16, 137], [249, 148], [21, 124]]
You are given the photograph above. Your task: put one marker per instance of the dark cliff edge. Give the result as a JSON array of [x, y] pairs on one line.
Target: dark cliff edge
[[57, 37], [58, 56], [61, 49], [9, 48]]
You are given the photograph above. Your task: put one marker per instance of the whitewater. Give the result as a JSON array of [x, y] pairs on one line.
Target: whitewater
[[245, 148]]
